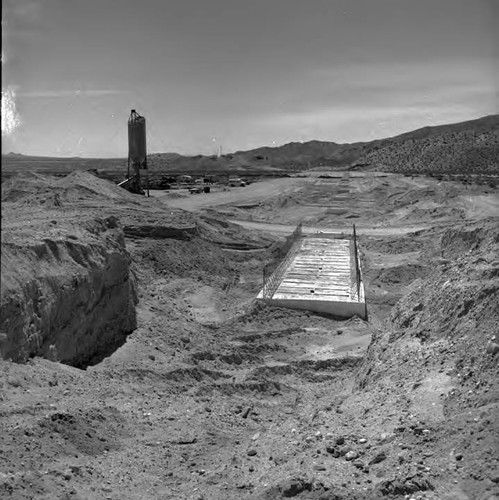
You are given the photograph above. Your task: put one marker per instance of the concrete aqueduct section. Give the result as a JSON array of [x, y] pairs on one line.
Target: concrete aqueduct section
[[319, 273]]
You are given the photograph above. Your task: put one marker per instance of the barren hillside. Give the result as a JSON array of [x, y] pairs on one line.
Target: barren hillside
[[467, 148]]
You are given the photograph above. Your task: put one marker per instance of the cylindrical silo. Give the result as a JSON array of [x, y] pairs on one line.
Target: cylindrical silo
[[137, 138]]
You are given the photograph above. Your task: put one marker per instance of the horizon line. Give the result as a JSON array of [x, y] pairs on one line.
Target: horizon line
[[117, 157]]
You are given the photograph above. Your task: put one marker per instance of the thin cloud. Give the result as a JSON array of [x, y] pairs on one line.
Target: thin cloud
[[24, 20], [358, 91], [28, 11], [70, 93]]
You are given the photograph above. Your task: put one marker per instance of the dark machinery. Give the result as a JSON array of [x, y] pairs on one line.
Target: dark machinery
[[137, 155]]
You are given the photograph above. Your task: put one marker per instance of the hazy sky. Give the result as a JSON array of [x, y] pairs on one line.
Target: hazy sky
[[241, 73]]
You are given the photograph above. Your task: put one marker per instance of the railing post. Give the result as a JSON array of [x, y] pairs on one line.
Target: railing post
[[357, 270]]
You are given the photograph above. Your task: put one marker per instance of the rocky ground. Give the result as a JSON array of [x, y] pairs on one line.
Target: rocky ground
[[215, 396]]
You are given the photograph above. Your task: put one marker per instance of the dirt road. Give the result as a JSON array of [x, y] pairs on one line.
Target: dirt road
[[378, 206], [368, 231], [231, 195]]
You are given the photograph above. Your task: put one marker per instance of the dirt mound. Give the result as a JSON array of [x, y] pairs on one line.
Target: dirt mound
[[88, 181], [23, 185], [140, 216], [395, 245], [436, 213], [438, 353], [197, 259], [287, 201], [396, 275], [229, 235], [92, 431], [261, 315], [455, 242], [34, 188]]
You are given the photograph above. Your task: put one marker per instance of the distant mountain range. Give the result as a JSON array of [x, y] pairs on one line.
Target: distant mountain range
[[465, 147], [456, 148]]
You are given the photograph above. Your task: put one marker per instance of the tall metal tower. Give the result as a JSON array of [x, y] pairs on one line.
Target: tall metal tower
[[137, 154]]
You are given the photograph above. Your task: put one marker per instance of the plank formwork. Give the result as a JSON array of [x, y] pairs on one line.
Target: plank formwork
[[321, 278]]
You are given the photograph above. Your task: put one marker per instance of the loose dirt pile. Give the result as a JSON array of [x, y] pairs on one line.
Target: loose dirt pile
[[214, 396], [434, 367]]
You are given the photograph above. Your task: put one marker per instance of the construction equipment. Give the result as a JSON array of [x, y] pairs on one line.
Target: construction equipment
[[236, 182], [137, 155]]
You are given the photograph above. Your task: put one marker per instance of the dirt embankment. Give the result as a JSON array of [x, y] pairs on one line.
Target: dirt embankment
[[68, 293], [68, 290], [433, 367]]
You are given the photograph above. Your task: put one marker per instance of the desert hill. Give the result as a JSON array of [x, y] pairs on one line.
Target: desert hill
[[459, 148], [467, 147], [452, 148]]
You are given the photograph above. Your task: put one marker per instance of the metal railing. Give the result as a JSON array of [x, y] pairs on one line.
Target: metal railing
[[272, 280], [356, 274], [274, 270]]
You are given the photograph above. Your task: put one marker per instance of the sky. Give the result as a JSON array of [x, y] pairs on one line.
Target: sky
[[239, 74]]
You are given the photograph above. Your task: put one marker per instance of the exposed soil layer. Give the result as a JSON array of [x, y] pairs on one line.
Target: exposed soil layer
[[67, 289], [215, 396]]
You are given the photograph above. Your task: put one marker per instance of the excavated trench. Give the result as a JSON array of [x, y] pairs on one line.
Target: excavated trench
[[70, 296]]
